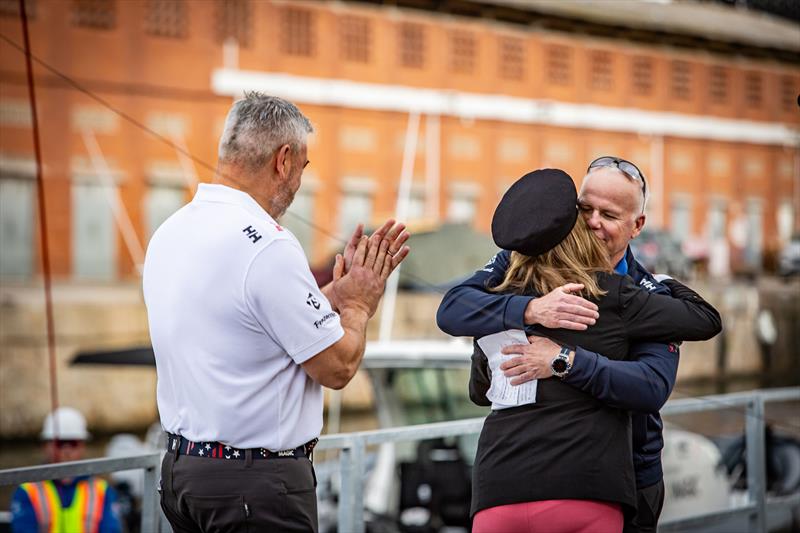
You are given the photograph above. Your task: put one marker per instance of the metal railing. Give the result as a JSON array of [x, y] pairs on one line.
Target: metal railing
[[353, 451], [151, 463], [755, 510], [352, 464]]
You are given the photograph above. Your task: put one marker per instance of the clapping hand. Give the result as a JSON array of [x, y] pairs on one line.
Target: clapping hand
[[393, 233]]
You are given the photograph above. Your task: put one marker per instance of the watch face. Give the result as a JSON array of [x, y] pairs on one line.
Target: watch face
[[559, 365]]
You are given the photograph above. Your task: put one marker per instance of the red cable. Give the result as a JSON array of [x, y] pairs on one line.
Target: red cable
[[48, 298]]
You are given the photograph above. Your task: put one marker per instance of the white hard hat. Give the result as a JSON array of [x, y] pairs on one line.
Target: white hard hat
[[65, 423]]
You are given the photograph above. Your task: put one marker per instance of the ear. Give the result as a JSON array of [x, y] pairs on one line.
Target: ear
[[283, 160], [638, 224]]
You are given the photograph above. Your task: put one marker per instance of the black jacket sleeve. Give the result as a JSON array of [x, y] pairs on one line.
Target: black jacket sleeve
[[684, 316], [479, 377]]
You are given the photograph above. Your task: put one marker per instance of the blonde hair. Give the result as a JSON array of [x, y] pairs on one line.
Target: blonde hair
[[576, 259]]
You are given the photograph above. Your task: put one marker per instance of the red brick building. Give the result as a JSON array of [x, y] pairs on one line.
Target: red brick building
[[127, 88]]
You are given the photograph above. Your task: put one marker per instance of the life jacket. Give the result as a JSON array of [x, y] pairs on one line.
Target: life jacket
[[83, 514]]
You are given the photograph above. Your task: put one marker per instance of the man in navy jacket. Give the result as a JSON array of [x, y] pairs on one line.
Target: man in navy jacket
[[612, 200]]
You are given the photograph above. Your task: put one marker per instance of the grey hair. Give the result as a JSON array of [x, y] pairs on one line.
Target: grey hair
[[259, 124]]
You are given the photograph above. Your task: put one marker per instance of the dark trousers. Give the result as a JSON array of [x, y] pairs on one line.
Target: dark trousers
[[200, 495], [649, 502]]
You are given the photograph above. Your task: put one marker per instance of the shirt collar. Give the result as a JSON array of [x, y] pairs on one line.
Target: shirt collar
[[215, 192], [622, 267]]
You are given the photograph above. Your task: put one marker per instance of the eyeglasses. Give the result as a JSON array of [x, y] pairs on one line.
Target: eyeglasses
[[626, 167]]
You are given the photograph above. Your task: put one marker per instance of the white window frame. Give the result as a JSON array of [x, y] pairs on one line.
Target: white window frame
[[462, 191], [17, 257], [299, 218], [351, 187]]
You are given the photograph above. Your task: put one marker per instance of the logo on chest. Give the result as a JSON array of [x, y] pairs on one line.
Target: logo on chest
[[647, 284]]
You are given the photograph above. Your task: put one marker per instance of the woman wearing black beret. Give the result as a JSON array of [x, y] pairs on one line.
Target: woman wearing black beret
[[564, 463]]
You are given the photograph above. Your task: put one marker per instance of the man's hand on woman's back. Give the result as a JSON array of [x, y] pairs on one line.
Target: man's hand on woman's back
[[532, 361], [560, 308]]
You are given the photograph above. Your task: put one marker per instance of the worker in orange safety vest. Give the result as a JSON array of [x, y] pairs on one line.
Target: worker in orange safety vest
[[79, 505]]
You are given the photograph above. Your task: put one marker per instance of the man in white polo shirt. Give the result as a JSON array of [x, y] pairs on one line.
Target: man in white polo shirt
[[243, 337]]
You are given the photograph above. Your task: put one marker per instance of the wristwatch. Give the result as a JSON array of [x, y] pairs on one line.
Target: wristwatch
[[560, 365]]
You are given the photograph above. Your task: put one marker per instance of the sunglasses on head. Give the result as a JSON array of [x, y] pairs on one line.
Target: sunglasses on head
[[626, 167]]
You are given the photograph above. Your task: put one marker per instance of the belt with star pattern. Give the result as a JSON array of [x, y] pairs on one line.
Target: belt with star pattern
[[218, 450]]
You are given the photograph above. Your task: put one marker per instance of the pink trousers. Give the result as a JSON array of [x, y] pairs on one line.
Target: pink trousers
[[551, 516]]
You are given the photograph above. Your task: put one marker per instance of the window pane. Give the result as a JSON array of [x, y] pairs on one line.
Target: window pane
[[717, 223], [167, 18], [161, 203], [354, 35], [461, 209], [753, 89], [785, 218], [94, 234], [412, 45], [512, 58], [753, 243], [462, 52], [681, 222], [602, 70], [97, 14], [234, 20], [356, 208], [681, 80], [416, 206], [10, 8], [16, 227], [559, 64], [788, 94], [297, 31], [718, 86], [642, 75], [298, 219]]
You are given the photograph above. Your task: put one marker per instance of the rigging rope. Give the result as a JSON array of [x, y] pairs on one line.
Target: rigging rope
[[46, 272]]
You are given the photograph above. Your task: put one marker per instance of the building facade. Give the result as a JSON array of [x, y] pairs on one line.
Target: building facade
[[447, 109]]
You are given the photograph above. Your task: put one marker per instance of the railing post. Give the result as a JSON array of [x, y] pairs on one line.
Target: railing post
[[150, 505], [345, 516], [351, 492], [756, 463]]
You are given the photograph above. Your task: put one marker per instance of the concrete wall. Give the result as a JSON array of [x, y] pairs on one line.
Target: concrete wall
[[86, 318]]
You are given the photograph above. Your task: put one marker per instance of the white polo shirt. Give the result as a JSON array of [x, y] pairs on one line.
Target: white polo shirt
[[233, 311]]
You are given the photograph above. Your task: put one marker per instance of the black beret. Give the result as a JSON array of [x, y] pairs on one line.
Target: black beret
[[536, 213]]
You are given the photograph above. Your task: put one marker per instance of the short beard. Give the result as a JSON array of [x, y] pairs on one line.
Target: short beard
[[280, 204]]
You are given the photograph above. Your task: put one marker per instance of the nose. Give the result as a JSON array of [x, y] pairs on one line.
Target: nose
[[593, 219]]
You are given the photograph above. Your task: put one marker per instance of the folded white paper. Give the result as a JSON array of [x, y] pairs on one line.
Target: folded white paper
[[501, 392]]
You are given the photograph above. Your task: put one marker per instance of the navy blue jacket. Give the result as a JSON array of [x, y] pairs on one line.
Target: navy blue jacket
[[641, 385]]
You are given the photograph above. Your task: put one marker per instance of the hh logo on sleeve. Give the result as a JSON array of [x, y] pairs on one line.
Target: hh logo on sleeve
[[312, 301]]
